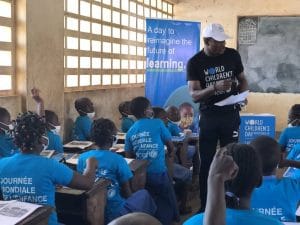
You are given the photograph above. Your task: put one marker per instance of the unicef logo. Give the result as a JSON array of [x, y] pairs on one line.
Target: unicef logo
[[111, 193], [153, 154]]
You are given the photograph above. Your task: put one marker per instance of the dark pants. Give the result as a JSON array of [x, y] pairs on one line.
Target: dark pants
[[214, 127]]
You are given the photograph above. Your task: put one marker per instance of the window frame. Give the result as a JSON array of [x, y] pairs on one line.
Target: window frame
[[129, 72], [9, 46]]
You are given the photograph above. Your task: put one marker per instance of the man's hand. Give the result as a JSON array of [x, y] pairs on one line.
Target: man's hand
[[223, 85]]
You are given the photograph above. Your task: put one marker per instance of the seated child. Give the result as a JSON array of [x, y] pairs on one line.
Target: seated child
[[83, 123], [188, 119], [181, 175], [275, 197], [222, 168], [146, 140], [53, 125], [189, 122], [173, 115], [7, 146], [239, 190], [127, 118], [291, 135], [36, 174], [114, 168]]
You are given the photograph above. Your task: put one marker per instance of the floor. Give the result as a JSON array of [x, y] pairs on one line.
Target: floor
[[194, 203]]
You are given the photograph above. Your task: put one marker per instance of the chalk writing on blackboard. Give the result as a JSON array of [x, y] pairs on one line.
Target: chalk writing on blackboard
[[247, 31]]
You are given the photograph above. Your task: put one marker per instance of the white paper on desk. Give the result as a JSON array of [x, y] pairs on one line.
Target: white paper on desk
[[12, 212], [232, 99], [128, 160]]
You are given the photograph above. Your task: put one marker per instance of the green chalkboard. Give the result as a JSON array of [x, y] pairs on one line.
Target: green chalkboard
[[270, 51]]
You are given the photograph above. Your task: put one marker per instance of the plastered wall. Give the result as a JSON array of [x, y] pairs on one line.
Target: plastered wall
[[42, 58], [226, 13]]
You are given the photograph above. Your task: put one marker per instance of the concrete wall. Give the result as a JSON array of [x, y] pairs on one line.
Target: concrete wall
[[40, 57], [40, 63], [226, 12]]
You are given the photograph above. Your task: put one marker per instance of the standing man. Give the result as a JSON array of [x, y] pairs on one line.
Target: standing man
[[213, 74]]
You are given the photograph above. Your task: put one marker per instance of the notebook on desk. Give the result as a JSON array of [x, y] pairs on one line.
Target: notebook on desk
[[47, 153], [12, 212], [78, 144]]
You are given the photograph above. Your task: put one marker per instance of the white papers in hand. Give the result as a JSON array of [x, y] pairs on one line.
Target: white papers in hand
[[232, 99]]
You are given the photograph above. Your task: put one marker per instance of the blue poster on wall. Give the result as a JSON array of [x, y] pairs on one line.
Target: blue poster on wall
[[169, 45]]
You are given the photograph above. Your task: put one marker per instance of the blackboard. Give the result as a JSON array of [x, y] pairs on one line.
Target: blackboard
[[270, 51]]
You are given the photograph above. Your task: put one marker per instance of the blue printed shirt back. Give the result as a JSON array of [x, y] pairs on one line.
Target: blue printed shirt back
[[146, 138]]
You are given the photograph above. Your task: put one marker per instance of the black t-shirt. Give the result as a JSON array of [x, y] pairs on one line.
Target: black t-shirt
[[209, 69]]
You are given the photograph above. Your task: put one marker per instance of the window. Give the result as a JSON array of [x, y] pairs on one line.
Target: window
[[7, 34], [105, 41]]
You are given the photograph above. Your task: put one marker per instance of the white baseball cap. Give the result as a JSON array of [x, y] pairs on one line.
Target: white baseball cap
[[215, 31]]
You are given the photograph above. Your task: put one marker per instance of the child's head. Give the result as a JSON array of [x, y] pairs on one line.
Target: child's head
[[294, 115], [29, 133], [103, 133], [141, 108], [124, 108], [186, 114], [173, 113], [135, 219], [249, 175], [52, 120], [5, 122], [84, 106], [160, 113], [269, 151]]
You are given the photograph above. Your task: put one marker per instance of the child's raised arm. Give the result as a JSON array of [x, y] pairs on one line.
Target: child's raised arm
[[222, 168], [35, 93]]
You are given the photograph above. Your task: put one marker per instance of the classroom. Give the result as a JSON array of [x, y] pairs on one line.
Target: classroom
[[97, 49]]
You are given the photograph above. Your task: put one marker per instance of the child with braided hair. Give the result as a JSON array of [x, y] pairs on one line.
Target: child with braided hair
[[120, 199], [29, 177], [239, 190]]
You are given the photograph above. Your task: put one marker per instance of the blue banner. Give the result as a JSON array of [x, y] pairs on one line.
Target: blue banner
[[169, 45], [256, 125]]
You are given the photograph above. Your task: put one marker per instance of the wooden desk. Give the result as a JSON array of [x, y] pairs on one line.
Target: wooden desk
[[38, 217], [78, 207]]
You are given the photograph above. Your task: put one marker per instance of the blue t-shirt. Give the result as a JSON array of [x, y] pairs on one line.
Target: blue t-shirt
[[113, 167], [7, 146], [174, 129], [126, 123], [55, 142], [146, 139], [277, 198], [32, 178], [289, 137], [238, 217], [82, 128], [294, 154]]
